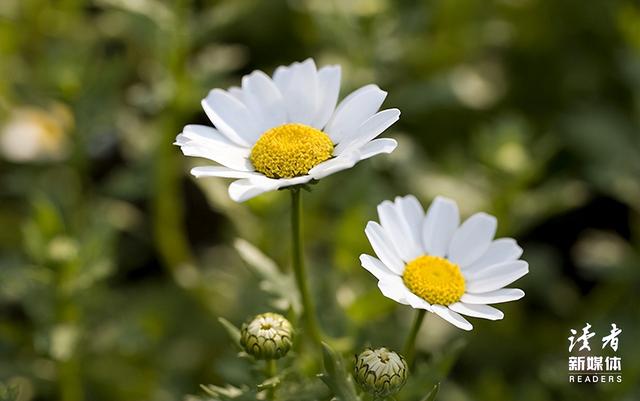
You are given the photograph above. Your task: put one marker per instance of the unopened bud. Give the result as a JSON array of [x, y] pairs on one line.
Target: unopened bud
[[267, 336], [380, 372]]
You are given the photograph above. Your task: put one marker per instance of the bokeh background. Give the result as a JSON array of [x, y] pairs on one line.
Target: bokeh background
[[115, 264]]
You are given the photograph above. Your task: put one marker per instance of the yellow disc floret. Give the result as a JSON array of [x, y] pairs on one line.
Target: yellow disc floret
[[434, 279], [290, 150]]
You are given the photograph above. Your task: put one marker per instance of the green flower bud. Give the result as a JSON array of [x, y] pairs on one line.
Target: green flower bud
[[267, 336], [380, 372]]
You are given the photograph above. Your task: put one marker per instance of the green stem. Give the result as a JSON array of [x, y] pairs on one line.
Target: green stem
[[68, 314], [270, 368], [409, 349], [270, 371], [308, 313]]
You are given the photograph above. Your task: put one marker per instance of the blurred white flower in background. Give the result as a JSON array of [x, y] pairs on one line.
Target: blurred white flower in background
[[477, 87], [36, 134]]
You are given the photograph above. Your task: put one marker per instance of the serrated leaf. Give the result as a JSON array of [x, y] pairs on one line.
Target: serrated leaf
[[336, 376], [229, 392], [232, 331], [272, 280], [433, 393], [271, 382]]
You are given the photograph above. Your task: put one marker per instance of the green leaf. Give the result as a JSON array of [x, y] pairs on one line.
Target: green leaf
[[232, 331], [9, 393], [271, 382], [432, 394], [229, 392], [336, 377], [272, 280]]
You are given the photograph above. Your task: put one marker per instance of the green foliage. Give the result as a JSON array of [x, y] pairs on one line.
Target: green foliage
[[9, 393], [432, 394], [229, 393], [272, 280], [116, 265], [336, 376], [232, 331]]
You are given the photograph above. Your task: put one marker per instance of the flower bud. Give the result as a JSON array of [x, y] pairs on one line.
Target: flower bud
[[267, 336], [380, 372]]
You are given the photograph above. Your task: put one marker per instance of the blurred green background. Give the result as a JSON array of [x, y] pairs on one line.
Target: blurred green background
[[115, 263]]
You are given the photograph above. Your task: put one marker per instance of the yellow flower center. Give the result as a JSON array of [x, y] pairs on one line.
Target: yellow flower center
[[434, 279], [290, 150]]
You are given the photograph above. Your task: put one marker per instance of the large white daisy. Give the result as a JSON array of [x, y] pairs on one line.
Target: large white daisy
[[432, 262], [285, 130]]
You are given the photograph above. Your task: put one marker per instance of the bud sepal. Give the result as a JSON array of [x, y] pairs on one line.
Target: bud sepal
[[380, 372], [267, 336]]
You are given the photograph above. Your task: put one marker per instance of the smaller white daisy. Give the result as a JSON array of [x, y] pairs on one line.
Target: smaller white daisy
[[286, 130], [432, 262]]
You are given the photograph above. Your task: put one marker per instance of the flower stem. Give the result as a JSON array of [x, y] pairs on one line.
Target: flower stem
[[308, 313], [409, 349], [270, 371]]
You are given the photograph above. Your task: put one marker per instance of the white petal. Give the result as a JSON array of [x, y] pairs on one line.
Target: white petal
[[376, 147], [207, 142], [398, 230], [237, 93], [413, 214], [219, 171], [281, 78], [393, 228], [350, 157], [263, 99], [452, 317], [417, 302], [300, 91], [495, 270], [498, 276], [230, 156], [472, 239], [440, 223], [328, 90], [500, 250], [231, 117], [354, 110], [482, 311], [493, 297], [247, 188], [375, 267], [488, 270], [328, 167], [383, 247], [391, 289], [369, 130], [205, 135]]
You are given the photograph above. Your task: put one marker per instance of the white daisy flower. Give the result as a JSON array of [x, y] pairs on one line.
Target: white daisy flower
[[433, 262], [285, 130]]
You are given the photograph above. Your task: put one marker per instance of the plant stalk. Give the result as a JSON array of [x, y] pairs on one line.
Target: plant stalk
[[409, 349], [308, 313], [270, 371]]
